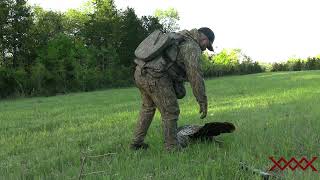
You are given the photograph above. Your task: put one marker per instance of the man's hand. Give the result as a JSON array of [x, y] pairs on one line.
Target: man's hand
[[203, 109]]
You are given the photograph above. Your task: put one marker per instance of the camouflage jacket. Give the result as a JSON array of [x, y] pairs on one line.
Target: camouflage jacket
[[187, 65]]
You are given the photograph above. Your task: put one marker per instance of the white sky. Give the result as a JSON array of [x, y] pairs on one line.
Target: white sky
[[269, 30]]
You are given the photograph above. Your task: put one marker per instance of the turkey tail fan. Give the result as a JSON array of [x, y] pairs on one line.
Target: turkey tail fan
[[214, 129]]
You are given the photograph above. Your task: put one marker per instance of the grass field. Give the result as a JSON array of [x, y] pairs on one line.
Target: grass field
[[276, 114]]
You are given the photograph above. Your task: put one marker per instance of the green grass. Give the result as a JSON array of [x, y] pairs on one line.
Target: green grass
[[276, 114]]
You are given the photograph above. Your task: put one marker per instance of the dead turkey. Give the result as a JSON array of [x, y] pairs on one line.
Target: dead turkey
[[208, 131]]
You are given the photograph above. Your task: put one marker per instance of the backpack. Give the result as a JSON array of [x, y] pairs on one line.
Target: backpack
[[156, 43], [156, 53]]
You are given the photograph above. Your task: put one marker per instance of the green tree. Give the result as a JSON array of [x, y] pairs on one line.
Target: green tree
[[131, 33], [64, 61], [48, 52], [168, 18], [4, 30], [100, 32], [47, 25], [15, 20], [74, 22], [227, 61], [151, 23]]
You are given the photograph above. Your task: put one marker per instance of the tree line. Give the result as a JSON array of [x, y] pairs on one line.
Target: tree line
[[45, 52], [297, 64], [229, 62]]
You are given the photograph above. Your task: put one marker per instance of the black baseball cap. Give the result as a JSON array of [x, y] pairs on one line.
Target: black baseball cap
[[209, 33]]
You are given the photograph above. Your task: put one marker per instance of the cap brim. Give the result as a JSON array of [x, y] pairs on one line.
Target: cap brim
[[210, 47]]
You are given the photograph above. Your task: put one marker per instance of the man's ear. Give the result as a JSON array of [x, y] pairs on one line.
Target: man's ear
[[203, 37]]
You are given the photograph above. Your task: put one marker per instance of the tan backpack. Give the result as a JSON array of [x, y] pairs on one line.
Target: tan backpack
[[156, 44], [157, 53]]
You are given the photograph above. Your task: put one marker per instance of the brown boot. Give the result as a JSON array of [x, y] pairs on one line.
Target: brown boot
[[170, 135], [139, 146], [146, 114]]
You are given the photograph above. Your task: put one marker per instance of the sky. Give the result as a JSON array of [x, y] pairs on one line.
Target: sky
[[266, 30]]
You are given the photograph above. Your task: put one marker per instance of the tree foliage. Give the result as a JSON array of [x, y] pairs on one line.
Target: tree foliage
[[168, 18], [297, 64], [15, 21], [229, 62], [47, 52]]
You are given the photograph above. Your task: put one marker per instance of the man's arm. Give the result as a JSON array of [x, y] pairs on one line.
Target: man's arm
[[191, 55]]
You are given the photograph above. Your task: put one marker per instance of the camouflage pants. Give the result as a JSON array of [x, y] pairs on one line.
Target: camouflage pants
[[157, 93]]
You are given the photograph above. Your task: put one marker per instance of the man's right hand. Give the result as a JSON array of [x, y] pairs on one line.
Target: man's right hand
[[203, 109]]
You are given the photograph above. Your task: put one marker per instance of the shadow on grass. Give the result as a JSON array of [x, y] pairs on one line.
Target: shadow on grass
[[272, 119], [287, 128]]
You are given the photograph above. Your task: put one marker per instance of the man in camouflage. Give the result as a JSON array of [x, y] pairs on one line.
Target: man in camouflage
[[161, 92]]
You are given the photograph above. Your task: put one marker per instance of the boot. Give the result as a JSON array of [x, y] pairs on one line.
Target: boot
[[170, 135], [139, 146], [145, 119]]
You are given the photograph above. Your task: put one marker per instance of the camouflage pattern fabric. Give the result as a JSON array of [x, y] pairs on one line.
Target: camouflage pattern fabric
[[157, 93], [157, 81], [187, 66]]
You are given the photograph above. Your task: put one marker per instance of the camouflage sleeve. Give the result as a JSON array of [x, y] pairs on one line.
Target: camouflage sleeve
[[191, 55]]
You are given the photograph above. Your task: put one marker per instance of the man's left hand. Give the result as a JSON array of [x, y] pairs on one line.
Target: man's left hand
[[203, 109]]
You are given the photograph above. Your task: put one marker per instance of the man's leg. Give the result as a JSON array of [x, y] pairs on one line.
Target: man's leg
[[145, 117], [166, 101]]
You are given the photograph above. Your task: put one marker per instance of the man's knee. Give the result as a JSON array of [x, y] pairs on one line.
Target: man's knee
[[148, 108], [171, 113]]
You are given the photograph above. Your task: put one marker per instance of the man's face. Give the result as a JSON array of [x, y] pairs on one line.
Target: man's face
[[204, 42]]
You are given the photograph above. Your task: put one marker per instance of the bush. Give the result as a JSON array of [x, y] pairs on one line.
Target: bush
[[39, 75], [59, 69], [7, 83], [279, 67], [311, 63], [227, 63], [13, 82], [250, 67]]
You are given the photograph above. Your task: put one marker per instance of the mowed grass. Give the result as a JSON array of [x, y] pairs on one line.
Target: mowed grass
[[276, 114]]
